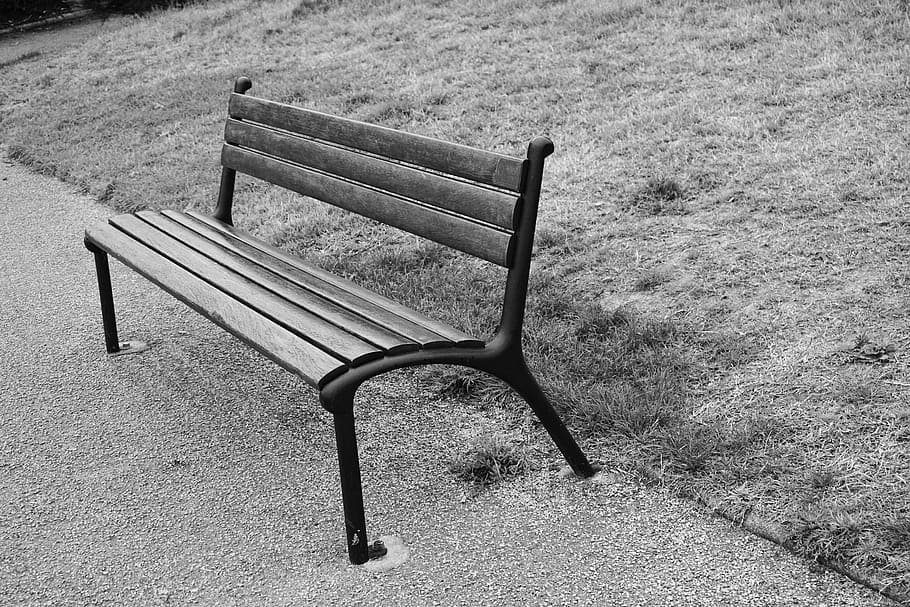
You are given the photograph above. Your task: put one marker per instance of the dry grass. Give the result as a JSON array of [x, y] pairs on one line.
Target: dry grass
[[727, 208]]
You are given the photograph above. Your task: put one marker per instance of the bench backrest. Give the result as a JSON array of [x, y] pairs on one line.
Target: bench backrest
[[476, 201]]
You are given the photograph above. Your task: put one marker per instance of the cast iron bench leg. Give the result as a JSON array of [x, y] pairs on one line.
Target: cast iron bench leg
[[108, 318], [352, 491]]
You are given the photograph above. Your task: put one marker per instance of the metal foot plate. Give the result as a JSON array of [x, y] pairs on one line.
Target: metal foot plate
[[377, 550]]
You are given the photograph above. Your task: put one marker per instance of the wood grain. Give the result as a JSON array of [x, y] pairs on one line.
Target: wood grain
[[459, 233], [242, 290], [336, 282], [344, 318], [310, 280], [463, 161], [283, 346], [483, 204]]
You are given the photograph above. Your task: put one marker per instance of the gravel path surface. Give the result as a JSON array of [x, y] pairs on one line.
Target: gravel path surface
[[198, 473]]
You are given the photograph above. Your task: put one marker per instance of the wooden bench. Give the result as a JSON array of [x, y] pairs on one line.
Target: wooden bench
[[329, 331]]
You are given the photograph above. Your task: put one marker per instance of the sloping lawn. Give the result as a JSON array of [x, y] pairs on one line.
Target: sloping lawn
[[720, 297]]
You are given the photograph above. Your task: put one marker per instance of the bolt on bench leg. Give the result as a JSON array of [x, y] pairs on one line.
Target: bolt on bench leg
[[352, 491], [108, 317]]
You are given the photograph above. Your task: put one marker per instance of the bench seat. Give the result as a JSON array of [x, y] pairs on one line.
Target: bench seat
[[311, 322]]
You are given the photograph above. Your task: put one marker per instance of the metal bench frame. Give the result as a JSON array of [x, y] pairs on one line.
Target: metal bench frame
[[500, 356]]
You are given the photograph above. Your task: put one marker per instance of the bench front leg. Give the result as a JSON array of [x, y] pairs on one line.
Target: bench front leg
[[359, 551], [351, 487]]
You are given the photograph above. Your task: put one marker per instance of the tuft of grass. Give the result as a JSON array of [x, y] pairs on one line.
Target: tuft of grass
[[725, 350], [459, 382], [306, 8], [660, 196], [491, 459], [652, 279], [820, 480], [689, 448], [856, 393]]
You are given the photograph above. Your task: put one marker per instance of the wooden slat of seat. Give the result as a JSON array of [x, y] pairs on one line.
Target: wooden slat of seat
[[339, 344], [337, 296], [345, 319], [454, 231], [458, 337], [469, 163], [491, 206], [285, 347]]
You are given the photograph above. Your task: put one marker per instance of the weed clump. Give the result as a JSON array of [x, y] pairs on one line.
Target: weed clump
[[308, 7], [690, 448], [460, 383], [660, 196], [490, 459], [651, 279]]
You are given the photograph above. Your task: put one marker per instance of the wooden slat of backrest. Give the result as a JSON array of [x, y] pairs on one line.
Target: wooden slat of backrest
[[339, 344], [350, 296], [458, 337], [459, 233], [281, 345], [466, 162], [339, 316], [491, 206]]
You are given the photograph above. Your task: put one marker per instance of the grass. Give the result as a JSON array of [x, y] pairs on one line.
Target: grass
[[20, 58], [725, 210], [491, 459], [660, 196]]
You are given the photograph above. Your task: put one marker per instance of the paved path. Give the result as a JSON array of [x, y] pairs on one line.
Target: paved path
[[197, 473]]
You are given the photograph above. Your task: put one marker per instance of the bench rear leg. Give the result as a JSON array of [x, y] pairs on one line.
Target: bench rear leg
[[108, 317], [352, 490], [524, 383], [112, 343]]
